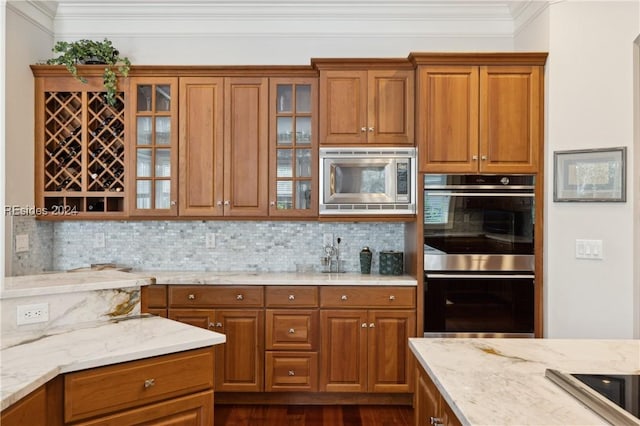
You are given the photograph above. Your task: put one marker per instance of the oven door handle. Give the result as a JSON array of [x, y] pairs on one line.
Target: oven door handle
[[480, 194], [476, 276]]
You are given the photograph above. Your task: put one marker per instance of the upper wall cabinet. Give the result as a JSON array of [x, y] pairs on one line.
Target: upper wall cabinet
[[79, 147], [223, 146], [366, 106], [293, 147], [476, 118], [153, 164]]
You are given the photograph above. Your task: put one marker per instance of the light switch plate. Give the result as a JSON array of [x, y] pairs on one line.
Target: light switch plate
[[22, 243], [589, 249]]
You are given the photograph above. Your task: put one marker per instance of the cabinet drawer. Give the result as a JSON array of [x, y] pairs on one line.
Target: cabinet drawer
[[196, 409], [108, 389], [294, 296], [218, 296], [292, 371], [366, 297], [291, 329], [154, 296]]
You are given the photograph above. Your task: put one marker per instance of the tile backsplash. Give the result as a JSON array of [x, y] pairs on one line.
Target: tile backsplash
[[181, 245]]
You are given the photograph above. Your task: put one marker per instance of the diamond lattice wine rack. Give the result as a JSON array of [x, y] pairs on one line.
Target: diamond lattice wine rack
[[83, 156]]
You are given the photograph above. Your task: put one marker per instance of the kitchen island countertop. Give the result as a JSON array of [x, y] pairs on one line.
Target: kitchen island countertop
[[502, 381], [30, 364]]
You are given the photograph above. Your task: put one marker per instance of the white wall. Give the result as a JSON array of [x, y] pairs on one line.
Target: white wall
[[636, 178], [29, 38], [4, 229], [590, 105]]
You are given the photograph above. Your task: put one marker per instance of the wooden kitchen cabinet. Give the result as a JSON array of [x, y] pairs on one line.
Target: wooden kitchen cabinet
[[291, 334], [79, 146], [246, 147], [29, 411], [430, 408], [366, 350], [171, 389], [293, 147], [201, 146], [236, 312], [480, 118], [223, 146], [153, 138], [366, 106], [153, 299]]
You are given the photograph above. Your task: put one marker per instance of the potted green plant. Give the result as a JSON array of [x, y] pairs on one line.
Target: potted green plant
[[93, 52]]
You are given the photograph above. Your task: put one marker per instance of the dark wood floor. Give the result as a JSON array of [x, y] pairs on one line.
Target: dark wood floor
[[313, 415]]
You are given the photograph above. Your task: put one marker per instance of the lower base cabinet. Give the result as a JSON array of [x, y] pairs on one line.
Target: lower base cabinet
[[313, 339], [430, 408], [29, 411], [168, 390], [192, 410]]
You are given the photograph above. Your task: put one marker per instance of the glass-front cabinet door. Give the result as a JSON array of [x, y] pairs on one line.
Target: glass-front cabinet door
[[293, 147], [154, 147]]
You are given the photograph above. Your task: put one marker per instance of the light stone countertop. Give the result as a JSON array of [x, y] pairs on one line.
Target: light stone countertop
[[279, 278], [502, 381], [28, 365], [71, 282]]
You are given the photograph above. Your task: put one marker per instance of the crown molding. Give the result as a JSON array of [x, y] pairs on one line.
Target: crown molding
[[525, 12], [299, 18], [40, 13]]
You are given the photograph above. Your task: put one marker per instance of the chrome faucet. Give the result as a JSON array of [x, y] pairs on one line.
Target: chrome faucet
[[331, 259]]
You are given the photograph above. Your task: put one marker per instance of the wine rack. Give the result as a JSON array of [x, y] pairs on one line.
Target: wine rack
[[84, 154]]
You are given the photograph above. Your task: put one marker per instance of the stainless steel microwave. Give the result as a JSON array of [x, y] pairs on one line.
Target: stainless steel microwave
[[367, 181]]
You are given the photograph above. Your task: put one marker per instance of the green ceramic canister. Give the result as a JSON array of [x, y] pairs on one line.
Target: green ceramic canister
[[365, 260], [391, 263]]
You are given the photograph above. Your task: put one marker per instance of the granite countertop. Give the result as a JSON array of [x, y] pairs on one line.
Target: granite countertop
[[71, 282], [279, 278], [30, 364], [502, 381]]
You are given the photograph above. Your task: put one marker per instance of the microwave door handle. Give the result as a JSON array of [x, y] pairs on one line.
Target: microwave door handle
[[480, 194]]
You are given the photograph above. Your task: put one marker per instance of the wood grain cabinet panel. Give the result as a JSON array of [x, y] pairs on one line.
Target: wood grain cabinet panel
[[246, 147], [430, 406], [291, 371], [367, 296], [366, 350], [479, 119], [29, 411], [241, 358], [103, 390], [201, 146], [153, 300], [291, 329], [190, 410], [291, 296], [199, 296], [366, 106], [343, 350]]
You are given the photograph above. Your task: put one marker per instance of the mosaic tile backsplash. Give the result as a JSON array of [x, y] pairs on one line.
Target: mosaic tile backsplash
[[39, 258], [239, 245]]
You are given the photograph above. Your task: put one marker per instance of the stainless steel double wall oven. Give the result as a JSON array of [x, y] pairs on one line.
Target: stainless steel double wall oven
[[479, 255]]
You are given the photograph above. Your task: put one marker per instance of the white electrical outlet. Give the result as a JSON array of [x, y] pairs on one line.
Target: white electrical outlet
[[98, 240], [327, 239], [31, 314], [210, 241], [22, 243]]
